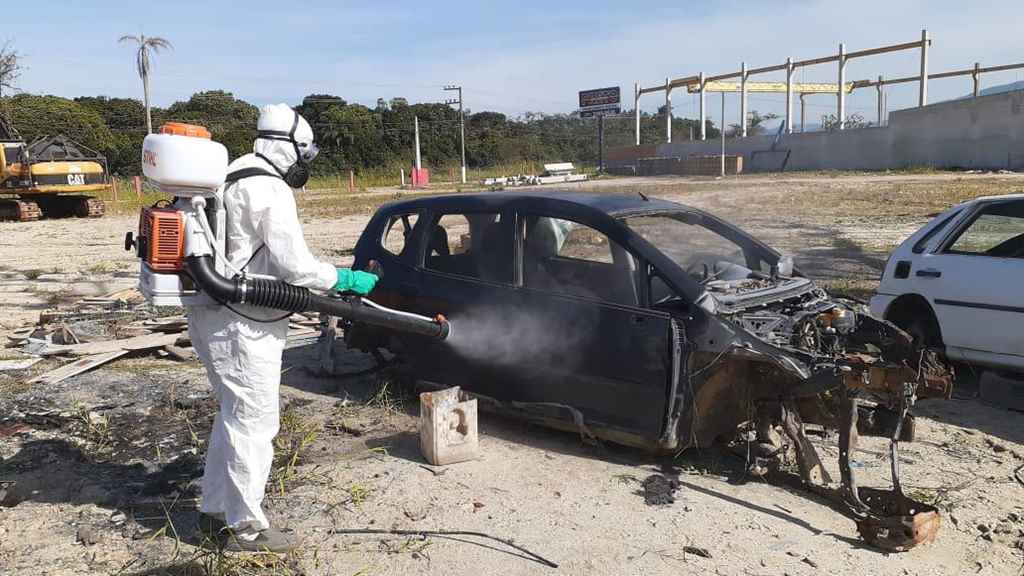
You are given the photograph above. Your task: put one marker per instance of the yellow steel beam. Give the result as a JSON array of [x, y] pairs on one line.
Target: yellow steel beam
[[798, 87]]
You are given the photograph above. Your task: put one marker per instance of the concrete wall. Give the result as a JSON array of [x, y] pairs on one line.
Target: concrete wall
[[987, 132]]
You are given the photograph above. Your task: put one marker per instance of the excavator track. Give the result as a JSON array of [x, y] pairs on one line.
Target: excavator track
[[19, 210], [89, 207], [64, 206]]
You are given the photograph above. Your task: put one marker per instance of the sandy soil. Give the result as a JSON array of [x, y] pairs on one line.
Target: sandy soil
[[102, 483]]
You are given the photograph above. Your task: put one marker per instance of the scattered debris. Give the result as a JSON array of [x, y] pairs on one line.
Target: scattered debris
[[416, 512], [77, 367], [659, 490], [696, 551], [135, 344], [179, 353], [557, 173], [89, 536], [21, 364], [100, 330], [451, 534], [434, 471]]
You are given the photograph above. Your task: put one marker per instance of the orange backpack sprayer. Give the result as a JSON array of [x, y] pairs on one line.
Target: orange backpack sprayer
[[182, 243]]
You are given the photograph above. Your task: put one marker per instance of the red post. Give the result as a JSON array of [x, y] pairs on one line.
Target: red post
[[137, 181], [351, 181]]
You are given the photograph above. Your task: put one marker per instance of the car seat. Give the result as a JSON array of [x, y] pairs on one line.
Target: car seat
[[494, 261]]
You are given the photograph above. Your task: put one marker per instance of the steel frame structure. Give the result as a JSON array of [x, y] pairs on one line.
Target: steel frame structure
[[701, 84], [842, 58]]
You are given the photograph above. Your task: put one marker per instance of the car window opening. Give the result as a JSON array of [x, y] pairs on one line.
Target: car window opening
[[475, 245], [997, 231], [706, 255], [565, 257], [920, 245], [397, 231]]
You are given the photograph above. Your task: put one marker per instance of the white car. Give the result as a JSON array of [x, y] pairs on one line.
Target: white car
[[958, 283]]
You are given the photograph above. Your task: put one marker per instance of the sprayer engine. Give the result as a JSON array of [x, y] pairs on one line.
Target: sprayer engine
[[183, 248]]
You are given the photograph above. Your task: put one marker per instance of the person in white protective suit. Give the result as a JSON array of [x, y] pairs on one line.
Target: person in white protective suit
[[241, 345]]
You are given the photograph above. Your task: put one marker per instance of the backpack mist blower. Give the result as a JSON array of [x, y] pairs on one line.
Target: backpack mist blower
[[182, 244]]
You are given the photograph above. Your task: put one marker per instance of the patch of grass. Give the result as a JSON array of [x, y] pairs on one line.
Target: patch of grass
[[104, 267], [215, 563], [358, 493], [33, 274], [59, 297], [12, 386], [125, 200], [441, 176], [388, 397], [295, 435], [95, 429], [853, 288]]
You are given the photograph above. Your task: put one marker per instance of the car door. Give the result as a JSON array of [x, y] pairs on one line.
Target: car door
[[595, 349], [973, 279], [466, 272]]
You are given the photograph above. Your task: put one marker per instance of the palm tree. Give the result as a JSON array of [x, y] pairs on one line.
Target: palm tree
[[145, 44]]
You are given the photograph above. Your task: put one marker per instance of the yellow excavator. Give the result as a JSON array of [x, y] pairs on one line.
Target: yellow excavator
[[52, 177]]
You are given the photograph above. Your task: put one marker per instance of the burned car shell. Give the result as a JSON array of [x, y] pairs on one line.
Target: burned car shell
[[691, 363], [655, 413]]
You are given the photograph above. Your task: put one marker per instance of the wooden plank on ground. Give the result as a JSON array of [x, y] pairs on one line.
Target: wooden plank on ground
[[145, 342], [77, 367], [20, 364], [183, 354]]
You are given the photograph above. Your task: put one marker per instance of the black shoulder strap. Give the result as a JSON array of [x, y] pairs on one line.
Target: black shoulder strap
[[247, 173]]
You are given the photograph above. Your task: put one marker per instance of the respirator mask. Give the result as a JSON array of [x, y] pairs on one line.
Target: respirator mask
[[298, 173]]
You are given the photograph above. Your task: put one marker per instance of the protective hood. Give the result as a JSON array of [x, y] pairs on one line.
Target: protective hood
[[280, 150]]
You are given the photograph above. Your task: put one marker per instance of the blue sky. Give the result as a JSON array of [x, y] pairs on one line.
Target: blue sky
[[510, 56]]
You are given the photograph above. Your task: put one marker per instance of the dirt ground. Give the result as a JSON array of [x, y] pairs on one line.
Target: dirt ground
[[97, 472]]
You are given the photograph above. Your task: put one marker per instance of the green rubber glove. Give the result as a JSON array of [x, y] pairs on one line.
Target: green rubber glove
[[355, 281]]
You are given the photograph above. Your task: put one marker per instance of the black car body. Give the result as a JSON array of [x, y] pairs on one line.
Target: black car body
[[645, 322], [651, 324]]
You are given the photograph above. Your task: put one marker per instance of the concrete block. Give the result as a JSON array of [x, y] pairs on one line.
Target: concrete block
[[448, 430]]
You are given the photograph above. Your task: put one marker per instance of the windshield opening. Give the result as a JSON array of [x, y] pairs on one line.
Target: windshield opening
[[703, 253]]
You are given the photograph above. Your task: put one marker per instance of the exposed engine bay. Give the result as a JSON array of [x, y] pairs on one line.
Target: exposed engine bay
[[853, 373]]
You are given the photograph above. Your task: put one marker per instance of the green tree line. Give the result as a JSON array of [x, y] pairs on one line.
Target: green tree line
[[351, 136]]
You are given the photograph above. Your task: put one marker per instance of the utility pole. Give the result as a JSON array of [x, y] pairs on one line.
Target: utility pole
[[703, 132], [803, 111], [462, 126], [636, 110], [416, 132], [880, 88], [922, 95], [841, 95], [743, 100], [722, 130], [668, 111]]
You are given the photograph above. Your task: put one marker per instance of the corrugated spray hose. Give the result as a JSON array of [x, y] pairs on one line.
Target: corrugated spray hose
[[282, 296]]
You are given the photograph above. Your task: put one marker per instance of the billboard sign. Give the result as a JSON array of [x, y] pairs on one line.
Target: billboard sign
[[600, 102]]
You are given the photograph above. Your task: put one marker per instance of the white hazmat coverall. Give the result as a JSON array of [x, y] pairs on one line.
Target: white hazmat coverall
[[242, 356]]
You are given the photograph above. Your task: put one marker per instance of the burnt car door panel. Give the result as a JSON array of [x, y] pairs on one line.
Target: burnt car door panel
[[571, 335], [606, 354]]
